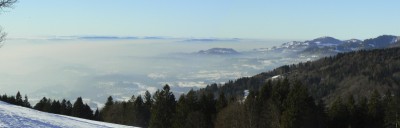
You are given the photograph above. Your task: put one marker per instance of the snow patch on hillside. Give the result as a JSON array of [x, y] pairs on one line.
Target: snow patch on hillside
[[276, 77], [395, 40]]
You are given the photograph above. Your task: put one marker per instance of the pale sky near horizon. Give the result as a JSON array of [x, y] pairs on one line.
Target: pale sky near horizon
[[308, 19]]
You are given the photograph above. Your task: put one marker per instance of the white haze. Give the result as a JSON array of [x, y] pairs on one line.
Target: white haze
[[95, 69]]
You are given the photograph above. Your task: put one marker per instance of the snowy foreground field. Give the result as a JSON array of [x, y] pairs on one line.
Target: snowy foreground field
[[12, 116]]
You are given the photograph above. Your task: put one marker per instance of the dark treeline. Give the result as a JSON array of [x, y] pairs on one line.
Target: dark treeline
[[78, 109], [64, 107], [278, 104], [16, 100]]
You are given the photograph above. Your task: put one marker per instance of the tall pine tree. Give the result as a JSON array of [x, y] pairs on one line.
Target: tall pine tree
[[26, 102], [78, 108], [163, 108], [375, 110], [18, 99]]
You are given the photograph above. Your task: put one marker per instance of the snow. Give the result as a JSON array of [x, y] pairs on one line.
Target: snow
[[20, 117], [353, 41], [320, 38], [372, 45], [276, 77], [329, 44], [394, 40], [294, 44], [246, 93]]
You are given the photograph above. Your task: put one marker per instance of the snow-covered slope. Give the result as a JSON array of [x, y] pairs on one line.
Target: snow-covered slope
[[330, 46], [12, 116], [319, 42]]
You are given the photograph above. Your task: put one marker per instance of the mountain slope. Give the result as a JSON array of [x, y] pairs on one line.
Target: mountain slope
[[20, 117], [326, 46], [354, 73], [384, 41]]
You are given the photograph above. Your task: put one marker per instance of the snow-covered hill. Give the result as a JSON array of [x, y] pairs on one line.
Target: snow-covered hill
[[330, 46], [12, 116], [318, 42]]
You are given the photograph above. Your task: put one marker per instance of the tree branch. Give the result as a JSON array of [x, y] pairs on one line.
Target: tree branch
[[7, 3], [2, 37]]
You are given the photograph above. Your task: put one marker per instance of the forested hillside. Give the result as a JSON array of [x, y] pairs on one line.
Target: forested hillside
[[356, 73]]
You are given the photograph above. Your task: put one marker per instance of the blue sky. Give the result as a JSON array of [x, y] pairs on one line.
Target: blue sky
[[263, 19]]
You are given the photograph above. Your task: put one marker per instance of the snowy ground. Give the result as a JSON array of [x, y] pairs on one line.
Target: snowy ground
[[12, 116]]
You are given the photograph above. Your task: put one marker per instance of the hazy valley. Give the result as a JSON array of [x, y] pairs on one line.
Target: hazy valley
[[139, 64]]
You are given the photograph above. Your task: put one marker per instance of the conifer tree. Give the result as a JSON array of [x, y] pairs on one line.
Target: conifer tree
[[320, 115], [207, 107], [78, 108], [391, 107], [139, 113], [191, 99], [375, 110], [147, 107], [222, 102], [40, 105], [186, 107], [338, 114], [26, 102], [351, 109], [270, 110], [109, 103], [4, 97], [182, 111], [105, 112], [147, 97], [96, 115], [298, 108], [47, 105], [361, 115], [279, 92], [63, 107], [55, 107], [252, 110], [18, 99], [68, 110], [163, 108], [87, 112]]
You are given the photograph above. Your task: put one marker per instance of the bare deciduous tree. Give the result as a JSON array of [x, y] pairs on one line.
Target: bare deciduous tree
[[5, 4], [2, 37]]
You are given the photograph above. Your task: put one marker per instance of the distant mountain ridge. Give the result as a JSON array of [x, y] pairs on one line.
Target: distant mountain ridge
[[218, 51], [330, 46]]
